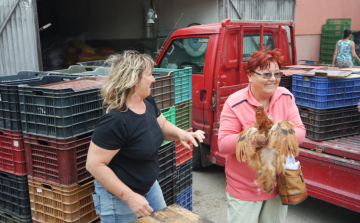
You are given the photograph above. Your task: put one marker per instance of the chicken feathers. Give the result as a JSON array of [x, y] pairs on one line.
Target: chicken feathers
[[269, 161]]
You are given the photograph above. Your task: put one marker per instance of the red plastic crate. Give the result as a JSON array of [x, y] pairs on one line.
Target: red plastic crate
[[12, 153], [56, 161], [182, 153]]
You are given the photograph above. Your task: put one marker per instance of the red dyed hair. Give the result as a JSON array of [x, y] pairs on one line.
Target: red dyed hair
[[262, 59]]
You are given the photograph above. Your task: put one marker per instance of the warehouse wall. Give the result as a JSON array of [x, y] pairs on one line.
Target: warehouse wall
[[310, 15]]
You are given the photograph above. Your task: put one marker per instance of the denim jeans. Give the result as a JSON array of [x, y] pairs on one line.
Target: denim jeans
[[114, 210]]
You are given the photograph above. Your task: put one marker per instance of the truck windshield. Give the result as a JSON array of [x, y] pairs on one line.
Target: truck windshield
[[187, 52], [251, 44]]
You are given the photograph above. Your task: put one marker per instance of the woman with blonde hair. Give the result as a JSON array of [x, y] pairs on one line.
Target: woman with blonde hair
[[123, 154]]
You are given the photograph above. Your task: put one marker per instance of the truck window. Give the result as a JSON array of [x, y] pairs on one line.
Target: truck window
[[251, 44], [187, 52]]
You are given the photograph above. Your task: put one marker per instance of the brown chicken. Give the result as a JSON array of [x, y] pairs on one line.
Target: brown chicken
[[269, 161]]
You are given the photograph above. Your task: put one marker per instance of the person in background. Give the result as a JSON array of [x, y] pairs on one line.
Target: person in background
[[247, 202], [123, 153], [344, 51]]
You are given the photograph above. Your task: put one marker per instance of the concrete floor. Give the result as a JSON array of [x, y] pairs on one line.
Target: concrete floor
[[209, 201]]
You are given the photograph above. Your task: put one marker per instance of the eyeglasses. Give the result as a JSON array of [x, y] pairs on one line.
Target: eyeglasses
[[267, 75]]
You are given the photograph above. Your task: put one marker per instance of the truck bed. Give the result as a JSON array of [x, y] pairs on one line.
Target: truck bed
[[332, 170]]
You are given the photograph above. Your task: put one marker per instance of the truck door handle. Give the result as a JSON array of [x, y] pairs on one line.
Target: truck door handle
[[202, 92]]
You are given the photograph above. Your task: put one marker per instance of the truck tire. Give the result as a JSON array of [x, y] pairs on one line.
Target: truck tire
[[199, 156], [196, 157]]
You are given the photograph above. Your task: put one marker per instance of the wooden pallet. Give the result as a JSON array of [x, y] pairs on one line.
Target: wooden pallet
[[175, 214]]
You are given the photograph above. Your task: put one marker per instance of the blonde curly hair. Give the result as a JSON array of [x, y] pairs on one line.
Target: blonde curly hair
[[126, 70]]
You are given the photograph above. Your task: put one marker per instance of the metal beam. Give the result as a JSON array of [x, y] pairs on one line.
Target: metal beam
[[8, 17]]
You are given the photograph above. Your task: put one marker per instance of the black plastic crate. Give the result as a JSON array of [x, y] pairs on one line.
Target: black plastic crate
[[167, 161], [333, 123], [286, 81], [14, 185], [168, 187], [184, 176], [14, 194], [59, 113], [22, 75], [9, 96], [6, 217]]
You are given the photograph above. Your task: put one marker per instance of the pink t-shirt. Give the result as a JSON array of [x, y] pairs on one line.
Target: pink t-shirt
[[238, 114]]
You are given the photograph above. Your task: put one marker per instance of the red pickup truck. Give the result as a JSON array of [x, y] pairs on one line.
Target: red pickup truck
[[217, 54]]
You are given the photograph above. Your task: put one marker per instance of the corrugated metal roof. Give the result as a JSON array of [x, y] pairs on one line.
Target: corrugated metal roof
[[262, 9], [18, 43]]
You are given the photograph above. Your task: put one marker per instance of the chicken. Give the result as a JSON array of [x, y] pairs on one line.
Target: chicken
[[269, 161]]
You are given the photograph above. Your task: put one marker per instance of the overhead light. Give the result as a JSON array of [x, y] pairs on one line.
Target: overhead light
[[150, 16]]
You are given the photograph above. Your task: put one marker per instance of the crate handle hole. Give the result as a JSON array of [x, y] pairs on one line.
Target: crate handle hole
[[89, 69], [4, 175], [44, 143], [7, 215], [65, 79], [2, 133], [84, 135], [46, 186], [38, 92]]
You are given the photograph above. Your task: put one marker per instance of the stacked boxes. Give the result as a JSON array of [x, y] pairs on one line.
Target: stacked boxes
[[331, 33], [172, 93], [46, 122], [328, 107], [57, 121]]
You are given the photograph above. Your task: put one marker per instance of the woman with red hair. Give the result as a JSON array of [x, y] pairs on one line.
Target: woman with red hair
[[247, 202]]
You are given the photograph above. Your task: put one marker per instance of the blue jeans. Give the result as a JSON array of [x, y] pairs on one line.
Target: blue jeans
[[114, 210]]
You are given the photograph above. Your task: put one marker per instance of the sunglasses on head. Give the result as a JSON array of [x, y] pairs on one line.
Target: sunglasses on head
[[267, 74]]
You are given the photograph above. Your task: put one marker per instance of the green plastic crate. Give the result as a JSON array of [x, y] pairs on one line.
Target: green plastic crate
[[170, 116], [335, 27], [184, 114], [339, 21]]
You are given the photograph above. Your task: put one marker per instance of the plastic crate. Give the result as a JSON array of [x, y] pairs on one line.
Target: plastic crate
[[9, 98], [163, 89], [12, 152], [183, 111], [167, 161], [170, 116], [333, 33], [75, 69], [57, 161], [52, 203], [93, 63], [335, 27], [182, 153], [286, 81], [339, 21], [60, 113], [184, 176], [185, 199], [168, 187], [6, 217], [22, 75], [330, 123], [14, 194], [326, 93], [182, 82]]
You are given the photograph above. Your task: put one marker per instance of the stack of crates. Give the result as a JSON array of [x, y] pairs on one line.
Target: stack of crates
[[14, 192], [331, 33], [328, 107], [356, 35], [45, 130], [57, 120], [172, 93]]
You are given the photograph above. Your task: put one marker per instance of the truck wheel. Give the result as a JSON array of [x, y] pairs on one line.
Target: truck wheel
[[196, 157]]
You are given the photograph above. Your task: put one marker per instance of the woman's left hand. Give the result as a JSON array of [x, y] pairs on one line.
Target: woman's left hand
[[190, 136]]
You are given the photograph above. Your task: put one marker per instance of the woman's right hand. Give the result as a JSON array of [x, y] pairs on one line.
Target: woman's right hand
[[139, 205]]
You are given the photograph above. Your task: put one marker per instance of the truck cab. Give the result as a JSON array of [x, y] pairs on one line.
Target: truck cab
[[218, 56]]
